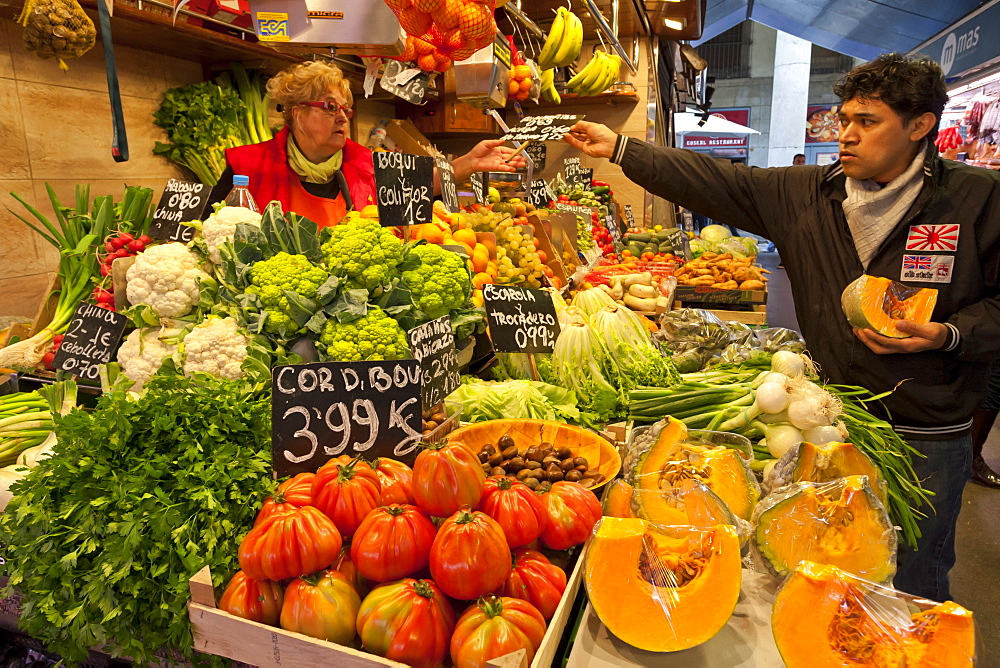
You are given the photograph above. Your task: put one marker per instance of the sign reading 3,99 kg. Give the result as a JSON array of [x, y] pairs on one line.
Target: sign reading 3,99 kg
[[521, 320], [324, 410]]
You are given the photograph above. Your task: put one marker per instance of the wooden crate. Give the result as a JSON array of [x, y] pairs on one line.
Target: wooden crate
[[701, 294], [217, 632]]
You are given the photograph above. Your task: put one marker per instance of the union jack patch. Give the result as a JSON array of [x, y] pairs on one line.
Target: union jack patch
[[928, 238], [927, 268]]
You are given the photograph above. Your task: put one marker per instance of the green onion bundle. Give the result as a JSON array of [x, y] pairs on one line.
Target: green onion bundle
[[25, 421]]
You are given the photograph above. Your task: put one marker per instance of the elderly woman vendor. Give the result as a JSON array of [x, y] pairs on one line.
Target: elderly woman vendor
[[311, 166]]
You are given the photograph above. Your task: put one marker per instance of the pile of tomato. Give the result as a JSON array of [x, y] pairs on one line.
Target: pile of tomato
[[415, 565], [601, 235]]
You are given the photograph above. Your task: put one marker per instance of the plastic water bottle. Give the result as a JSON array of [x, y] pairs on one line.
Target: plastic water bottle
[[240, 194]]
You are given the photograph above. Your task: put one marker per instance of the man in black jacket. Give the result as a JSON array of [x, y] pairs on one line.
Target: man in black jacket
[[890, 207]]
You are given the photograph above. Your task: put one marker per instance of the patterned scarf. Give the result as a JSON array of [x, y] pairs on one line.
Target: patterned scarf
[[312, 172]]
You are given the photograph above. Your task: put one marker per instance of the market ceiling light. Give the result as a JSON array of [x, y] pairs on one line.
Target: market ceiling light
[[675, 24]]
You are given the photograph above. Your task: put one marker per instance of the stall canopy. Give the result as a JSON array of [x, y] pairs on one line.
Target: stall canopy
[[859, 28], [716, 126]]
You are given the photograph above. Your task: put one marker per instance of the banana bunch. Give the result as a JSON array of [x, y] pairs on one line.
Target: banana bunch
[[549, 91], [602, 71], [564, 41]]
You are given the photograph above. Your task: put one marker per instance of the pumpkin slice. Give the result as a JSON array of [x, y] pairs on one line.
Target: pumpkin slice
[[811, 462], [841, 523], [876, 303], [826, 618], [618, 500], [687, 502], [662, 589]]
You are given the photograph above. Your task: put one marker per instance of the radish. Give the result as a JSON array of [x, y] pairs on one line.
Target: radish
[[136, 246], [118, 242], [109, 246]]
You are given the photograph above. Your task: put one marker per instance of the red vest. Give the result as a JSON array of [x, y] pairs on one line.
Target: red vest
[[272, 179]]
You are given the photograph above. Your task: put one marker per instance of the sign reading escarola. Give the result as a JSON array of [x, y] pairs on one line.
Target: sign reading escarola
[[521, 320]]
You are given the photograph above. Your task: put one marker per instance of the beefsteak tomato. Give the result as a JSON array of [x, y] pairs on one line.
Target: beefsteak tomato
[[494, 627], [516, 508], [293, 493], [396, 479], [346, 565], [469, 556], [573, 511], [346, 493], [392, 542], [533, 578], [290, 543], [322, 605], [256, 600], [409, 621], [447, 476]]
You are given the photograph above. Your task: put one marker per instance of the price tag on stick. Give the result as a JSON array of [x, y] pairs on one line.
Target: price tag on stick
[[92, 339], [324, 410], [478, 187], [629, 216], [540, 194], [404, 185], [521, 320], [182, 201], [433, 345], [446, 177]]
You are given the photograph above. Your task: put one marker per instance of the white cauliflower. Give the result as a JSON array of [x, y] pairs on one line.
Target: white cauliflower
[[143, 353], [221, 226], [165, 278], [216, 347]]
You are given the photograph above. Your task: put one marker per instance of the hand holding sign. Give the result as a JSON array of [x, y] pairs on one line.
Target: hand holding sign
[[542, 128], [404, 188]]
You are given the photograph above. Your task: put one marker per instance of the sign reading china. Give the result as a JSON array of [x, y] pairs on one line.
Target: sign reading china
[[739, 115]]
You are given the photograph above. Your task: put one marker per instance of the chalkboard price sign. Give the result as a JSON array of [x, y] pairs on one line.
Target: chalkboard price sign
[[540, 194], [182, 201], [407, 84], [629, 217], [521, 320], [478, 186], [324, 410], [433, 345], [404, 188], [446, 177], [542, 128], [91, 340], [537, 151]]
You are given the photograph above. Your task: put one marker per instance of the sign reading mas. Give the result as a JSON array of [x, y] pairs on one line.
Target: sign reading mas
[[967, 45]]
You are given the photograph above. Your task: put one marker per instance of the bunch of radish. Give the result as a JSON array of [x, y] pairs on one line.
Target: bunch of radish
[[117, 245]]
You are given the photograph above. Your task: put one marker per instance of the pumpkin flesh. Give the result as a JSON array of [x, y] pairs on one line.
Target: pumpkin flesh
[[876, 303], [832, 461]]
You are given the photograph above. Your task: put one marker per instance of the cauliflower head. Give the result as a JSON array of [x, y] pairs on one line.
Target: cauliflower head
[[440, 283], [269, 280], [166, 278], [364, 252], [373, 337], [221, 226], [143, 352], [215, 347]]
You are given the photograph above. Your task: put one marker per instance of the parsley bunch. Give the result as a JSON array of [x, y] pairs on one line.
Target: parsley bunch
[[101, 538]]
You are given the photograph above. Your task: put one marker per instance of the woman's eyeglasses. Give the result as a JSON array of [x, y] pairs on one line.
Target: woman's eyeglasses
[[330, 107]]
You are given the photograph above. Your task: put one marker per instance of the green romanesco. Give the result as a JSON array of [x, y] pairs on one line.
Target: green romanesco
[[440, 283], [272, 277], [373, 337], [364, 252]]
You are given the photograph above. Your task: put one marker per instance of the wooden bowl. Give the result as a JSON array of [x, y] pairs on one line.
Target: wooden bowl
[[599, 453]]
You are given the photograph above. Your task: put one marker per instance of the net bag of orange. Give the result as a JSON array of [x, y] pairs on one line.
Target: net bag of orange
[[57, 29], [455, 29]]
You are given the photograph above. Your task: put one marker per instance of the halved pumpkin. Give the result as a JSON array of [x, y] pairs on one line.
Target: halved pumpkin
[[721, 469], [841, 523], [826, 618], [687, 502], [811, 462], [618, 500], [876, 303], [659, 589]]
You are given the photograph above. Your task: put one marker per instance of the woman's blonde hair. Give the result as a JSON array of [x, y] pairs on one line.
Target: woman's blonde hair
[[305, 82]]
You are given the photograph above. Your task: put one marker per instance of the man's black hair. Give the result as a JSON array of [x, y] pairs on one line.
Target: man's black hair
[[799, 155], [910, 86]]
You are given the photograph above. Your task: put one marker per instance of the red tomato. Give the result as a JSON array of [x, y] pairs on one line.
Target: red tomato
[[516, 508], [288, 544], [533, 578], [573, 511], [293, 493], [323, 605], [256, 600], [469, 556], [409, 621], [447, 477], [396, 479], [494, 627], [346, 493], [345, 565], [392, 542]]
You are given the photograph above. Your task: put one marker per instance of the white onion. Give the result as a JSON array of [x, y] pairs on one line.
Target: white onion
[[820, 435], [788, 363], [781, 438], [772, 397]]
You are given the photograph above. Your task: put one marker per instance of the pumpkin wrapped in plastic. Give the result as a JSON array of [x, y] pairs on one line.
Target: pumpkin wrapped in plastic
[[687, 502], [826, 618], [876, 303], [823, 462], [57, 29]]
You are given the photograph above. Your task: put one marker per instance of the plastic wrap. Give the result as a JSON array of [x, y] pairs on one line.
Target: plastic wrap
[[809, 462], [688, 502], [641, 439], [662, 589], [823, 616], [841, 523]]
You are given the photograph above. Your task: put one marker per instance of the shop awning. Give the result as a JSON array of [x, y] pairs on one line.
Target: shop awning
[[716, 126], [859, 28]]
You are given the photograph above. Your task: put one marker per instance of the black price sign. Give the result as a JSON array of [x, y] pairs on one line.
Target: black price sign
[[676, 238], [446, 177], [182, 201], [407, 84], [478, 186], [404, 187], [433, 345], [540, 194], [537, 151], [542, 128], [91, 340], [324, 410], [629, 218], [522, 320]]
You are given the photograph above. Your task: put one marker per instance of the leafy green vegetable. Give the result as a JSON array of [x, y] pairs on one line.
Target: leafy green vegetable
[[138, 496], [487, 400]]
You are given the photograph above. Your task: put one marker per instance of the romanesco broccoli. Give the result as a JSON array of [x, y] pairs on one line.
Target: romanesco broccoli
[[373, 337], [272, 277], [440, 283], [364, 252]]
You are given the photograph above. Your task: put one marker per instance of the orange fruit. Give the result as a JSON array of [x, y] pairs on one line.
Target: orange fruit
[[451, 40], [525, 84], [443, 65], [521, 95], [522, 72], [513, 88], [423, 46], [398, 5], [463, 52], [426, 62], [414, 21], [428, 5], [429, 231], [410, 51], [465, 236], [446, 15], [542, 257], [481, 279]]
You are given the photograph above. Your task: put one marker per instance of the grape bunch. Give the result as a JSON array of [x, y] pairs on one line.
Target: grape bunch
[[517, 256]]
